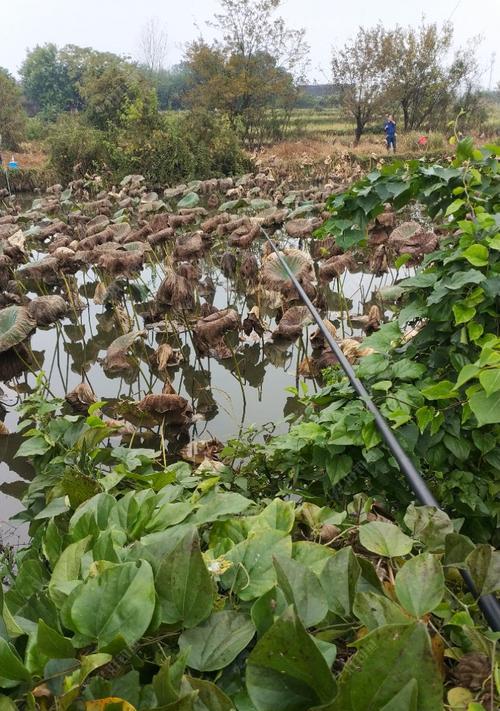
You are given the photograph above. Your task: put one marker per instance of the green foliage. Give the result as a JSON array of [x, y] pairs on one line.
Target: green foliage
[[195, 145], [46, 81], [250, 73], [233, 604], [171, 86], [76, 148], [214, 143], [440, 387], [115, 93], [103, 85], [37, 129], [12, 113]]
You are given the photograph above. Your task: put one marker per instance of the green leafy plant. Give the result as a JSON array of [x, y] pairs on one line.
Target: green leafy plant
[[434, 368], [184, 594]]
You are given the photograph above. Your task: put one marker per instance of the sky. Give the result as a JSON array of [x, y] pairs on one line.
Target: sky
[[115, 25]]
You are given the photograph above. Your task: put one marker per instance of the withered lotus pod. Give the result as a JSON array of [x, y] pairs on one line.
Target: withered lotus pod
[[249, 267], [228, 264]]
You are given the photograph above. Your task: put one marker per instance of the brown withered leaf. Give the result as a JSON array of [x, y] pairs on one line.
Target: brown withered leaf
[[171, 409], [379, 263], [353, 349], [243, 236], [302, 226], [336, 266], [210, 329], [292, 322], [165, 356], [116, 355], [275, 276], [318, 340], [189, 246], [253, 323], [81, 397], [121, 262], [212, 223], [175, 291], [197, 452], [46, 310]]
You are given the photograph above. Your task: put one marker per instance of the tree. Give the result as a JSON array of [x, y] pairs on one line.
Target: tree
[[249, 28], [256, 94], [250, 73], [46, 82], [420, 81], [115, 91], [12, 113], [172, 86], [153, 45], [360, 68]]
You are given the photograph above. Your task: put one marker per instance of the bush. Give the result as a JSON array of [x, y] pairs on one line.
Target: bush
[[37, 129], [162, 157], [215, 145], [76, 148], [195, 145]]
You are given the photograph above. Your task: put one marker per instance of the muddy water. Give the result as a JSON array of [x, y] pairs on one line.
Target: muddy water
[[228, 396], [250, 389]]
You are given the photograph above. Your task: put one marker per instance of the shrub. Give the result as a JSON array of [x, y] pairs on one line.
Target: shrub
[[76, 148], [196, 145], [37, 129], [215, 145], [162, 156]]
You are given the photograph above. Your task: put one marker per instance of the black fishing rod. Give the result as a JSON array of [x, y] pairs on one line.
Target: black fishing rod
[[489, 604]]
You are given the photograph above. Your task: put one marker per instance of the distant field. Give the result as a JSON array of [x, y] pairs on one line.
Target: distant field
[[325, 123], [320, 121]]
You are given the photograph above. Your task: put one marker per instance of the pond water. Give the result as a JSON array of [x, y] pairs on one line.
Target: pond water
[[227, 395]]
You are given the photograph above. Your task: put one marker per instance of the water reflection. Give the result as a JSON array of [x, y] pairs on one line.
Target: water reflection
[[250, 388]]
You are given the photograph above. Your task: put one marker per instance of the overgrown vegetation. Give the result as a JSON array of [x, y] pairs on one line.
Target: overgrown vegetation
[[149, 587], [263, 580], [434, 369], [12, 114], [196, 145]]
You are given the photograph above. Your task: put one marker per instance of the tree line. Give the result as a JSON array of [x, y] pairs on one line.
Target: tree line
[[250, 74]]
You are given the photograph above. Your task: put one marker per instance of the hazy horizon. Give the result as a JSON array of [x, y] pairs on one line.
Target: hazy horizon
[[108, 25]]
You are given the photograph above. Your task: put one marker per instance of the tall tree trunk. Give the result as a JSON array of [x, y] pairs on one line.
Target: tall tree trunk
[[359, 130], [406, 114]]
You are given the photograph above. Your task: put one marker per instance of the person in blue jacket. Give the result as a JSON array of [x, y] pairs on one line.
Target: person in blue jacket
[[390, 133]]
